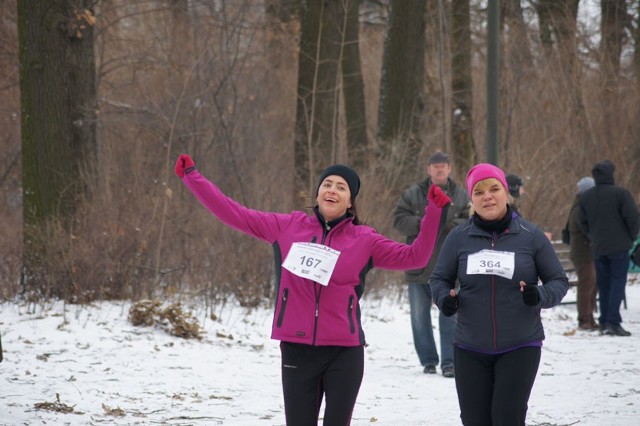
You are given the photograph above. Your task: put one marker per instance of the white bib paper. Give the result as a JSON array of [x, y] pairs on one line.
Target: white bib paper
[[312, 261], [491, 262]]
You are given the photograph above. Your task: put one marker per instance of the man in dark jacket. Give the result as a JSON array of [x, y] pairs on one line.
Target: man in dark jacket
[[406, 219], [582, 258], [608, 215]]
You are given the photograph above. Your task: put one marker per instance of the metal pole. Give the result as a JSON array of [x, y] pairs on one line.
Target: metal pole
[[493, 34]]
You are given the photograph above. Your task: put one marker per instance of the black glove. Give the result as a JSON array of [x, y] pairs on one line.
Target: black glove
[[449, 306], [530, 295]]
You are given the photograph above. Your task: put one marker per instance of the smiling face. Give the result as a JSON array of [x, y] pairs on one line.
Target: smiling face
[[334, 197], [489, 199]]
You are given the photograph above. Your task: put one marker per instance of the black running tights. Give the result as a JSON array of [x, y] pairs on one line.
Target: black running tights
[[311, 372], [493, 390]]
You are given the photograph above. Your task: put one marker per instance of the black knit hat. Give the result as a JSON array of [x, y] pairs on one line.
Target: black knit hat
[[347, 173]]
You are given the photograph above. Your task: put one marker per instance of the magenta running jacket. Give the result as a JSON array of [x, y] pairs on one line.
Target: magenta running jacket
[[307, 312]]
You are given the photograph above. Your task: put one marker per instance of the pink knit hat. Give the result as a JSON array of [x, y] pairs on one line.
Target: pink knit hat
[[483, 171]]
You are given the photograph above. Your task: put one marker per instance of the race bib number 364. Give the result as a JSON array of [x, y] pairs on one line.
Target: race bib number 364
[[491, 262], [312, 261]]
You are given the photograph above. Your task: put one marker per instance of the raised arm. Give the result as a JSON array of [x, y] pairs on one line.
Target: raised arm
[[389, 254], [265, 226]]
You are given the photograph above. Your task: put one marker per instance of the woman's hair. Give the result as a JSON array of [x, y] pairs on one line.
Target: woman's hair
[[487, 183], [353, 211]]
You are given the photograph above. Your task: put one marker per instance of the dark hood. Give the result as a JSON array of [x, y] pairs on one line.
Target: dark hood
[[603, 172]]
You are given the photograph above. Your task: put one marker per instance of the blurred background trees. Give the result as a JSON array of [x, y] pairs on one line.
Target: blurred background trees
[[99, 97]]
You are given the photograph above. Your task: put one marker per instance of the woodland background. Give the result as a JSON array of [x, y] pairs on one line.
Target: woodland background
[[99, 97]]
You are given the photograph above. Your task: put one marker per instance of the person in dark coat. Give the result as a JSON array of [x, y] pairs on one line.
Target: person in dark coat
[[406, 219], [582, 259], [488, 272], [609, 217]]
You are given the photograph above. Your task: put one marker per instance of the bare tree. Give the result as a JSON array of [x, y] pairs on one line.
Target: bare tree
[[635, 134], [464, 153], [328, 72], [58, 114], [517, 69], [10, 165], [353, 89], [559, 31], [401, 104], [322, 41], [612, 31]]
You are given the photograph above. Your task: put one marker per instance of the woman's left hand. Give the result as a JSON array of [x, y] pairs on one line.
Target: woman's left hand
[[437, 196], [530, 294]]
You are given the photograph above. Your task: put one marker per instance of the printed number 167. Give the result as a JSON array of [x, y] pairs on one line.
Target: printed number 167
[[309, 262]]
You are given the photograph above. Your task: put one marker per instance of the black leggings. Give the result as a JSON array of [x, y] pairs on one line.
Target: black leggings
[[311, 372], [493, 390]]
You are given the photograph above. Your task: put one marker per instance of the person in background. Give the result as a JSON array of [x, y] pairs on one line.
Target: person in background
[[516, 190], [406, 218], [498, 259], [322, 261], [516, 185], [608, 215], [582, 259]]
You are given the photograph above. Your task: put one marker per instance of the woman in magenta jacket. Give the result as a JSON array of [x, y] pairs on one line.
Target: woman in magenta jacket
[[324, 258]]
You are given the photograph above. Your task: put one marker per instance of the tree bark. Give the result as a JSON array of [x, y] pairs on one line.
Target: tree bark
[[560, 19], [402, 90], [58, 117], [353, 89], [612, 33], [517, 71], [462, 144], [316, 135]]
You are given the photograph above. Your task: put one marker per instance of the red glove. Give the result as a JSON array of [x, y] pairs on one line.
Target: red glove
[[437, 196], [184, 165]]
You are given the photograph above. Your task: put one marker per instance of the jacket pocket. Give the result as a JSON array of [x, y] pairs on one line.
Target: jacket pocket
[[283, 307], [352, 326]]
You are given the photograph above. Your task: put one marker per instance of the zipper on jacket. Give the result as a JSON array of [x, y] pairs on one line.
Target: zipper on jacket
[[493, 299], [352, 327], [283, 306], [317, 291]]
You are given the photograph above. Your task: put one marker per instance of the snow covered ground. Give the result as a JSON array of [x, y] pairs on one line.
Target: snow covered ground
[[87, 365]]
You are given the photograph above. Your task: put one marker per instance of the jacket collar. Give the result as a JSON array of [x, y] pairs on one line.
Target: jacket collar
[[512, 228]]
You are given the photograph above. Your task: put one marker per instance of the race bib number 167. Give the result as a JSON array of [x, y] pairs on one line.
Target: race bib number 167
[[312, 261]]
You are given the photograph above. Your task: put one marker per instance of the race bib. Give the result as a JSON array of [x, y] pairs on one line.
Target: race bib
[[491, 262], [312, 261]]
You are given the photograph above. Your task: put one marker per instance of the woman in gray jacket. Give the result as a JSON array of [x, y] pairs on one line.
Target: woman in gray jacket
[[498, 259]]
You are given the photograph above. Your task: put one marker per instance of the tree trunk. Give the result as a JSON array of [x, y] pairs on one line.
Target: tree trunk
[[316, 135], [635, 177], [612, 32], [402, 92], [560, 21], [464, 154], [353, 89], [58, 117], [544, 23], [516, 69]]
